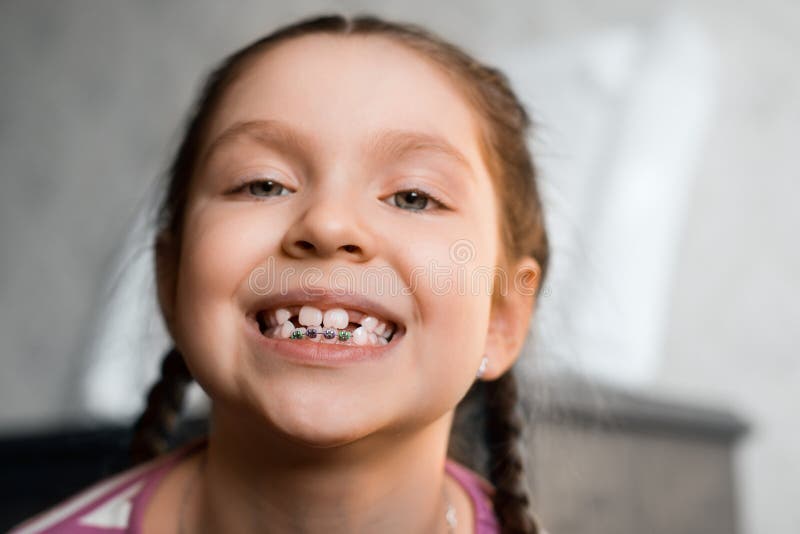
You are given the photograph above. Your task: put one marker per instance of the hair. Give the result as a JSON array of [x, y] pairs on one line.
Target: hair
[[504, 125]]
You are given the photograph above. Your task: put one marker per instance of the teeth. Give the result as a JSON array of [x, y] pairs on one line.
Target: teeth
[[286, 329], [310, 316], [317, 331], [360, 336], [282, 315], [298, 333], [336, 318], [355, 316], [372, 330], [329, 335], [388, 333], [369, 323]]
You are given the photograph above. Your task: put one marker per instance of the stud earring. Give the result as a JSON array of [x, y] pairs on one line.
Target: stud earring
[[482, 367]]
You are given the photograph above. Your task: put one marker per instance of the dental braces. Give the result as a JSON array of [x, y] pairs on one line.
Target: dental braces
[[327, 333]]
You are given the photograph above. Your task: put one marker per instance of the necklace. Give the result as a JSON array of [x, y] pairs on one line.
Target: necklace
[[449, 515]]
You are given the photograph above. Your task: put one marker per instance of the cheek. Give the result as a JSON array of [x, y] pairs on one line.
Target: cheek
[[451, 288], [220, 248]]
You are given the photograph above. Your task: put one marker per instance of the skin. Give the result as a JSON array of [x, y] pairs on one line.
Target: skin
[[359, 448]]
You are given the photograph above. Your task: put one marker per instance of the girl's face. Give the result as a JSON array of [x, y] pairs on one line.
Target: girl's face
[[344, 128]]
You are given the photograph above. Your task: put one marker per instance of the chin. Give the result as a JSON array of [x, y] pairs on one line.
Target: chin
[[320, 433], [316, 420], [322, 437]]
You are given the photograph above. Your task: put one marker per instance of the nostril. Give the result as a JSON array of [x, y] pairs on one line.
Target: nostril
[[350, 248], [305, 245]]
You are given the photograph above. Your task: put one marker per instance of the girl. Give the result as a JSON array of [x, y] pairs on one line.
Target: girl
[[351, 234]]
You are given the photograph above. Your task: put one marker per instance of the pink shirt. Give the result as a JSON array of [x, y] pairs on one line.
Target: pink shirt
[[116, 504]]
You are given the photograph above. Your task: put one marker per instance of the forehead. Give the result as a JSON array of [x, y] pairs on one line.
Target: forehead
[[339, 91]]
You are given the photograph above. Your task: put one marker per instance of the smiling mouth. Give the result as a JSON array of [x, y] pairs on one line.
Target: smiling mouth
[[336, 326]]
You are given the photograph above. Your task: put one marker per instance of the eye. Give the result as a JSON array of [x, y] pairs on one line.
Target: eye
[[269, 188], [263, 188], [415, 200]]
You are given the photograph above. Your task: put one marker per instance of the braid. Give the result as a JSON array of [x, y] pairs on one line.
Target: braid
[[503, 429], [164, 402]]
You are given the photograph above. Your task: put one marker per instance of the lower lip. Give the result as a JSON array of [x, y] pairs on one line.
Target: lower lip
[[317, 352]]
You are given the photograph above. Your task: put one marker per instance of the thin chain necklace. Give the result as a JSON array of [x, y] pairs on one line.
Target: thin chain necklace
[[450, 513]]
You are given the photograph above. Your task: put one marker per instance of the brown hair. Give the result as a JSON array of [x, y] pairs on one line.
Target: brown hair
[[504, 125]]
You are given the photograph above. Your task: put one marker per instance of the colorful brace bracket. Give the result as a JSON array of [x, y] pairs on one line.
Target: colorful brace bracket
[[328, 333]]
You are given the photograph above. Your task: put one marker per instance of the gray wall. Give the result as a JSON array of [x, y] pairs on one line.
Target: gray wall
[[93, 94]]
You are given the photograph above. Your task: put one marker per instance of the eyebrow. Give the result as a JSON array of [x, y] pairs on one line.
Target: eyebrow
[[387, 143]]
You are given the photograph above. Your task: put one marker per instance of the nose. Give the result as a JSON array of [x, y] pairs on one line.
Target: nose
[[330, 226]]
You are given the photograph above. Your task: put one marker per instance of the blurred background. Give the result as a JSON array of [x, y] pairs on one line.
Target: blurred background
[[662, 367]]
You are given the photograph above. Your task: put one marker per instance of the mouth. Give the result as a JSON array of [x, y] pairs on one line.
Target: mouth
[[335, 325], [326, 329]]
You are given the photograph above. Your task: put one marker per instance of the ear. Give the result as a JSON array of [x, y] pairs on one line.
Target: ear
[[166, 267], [510, 317]]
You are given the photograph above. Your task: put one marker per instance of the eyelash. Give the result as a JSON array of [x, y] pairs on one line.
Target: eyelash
[[245, 183], [430, 196], [435, 198]]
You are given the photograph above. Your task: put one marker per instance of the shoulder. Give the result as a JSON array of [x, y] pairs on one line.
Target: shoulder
[[106, 506], [480, 491], [97, 506]]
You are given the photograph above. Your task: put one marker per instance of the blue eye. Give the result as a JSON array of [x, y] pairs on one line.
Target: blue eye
[[415, 200]]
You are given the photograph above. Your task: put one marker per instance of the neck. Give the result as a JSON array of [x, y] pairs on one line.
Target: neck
[[382, 483]]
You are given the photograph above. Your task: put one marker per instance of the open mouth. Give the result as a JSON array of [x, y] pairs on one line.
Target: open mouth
[[332, 326]]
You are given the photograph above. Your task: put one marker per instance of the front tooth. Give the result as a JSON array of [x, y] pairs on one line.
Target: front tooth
[[310, 316], [336, 318], [360, 336], [369, 323], [286, 329], [282, 315]]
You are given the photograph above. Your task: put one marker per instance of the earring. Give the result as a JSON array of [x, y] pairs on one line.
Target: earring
[[482, 367]]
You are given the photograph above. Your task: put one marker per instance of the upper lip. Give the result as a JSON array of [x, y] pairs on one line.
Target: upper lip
[[327, 299]]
